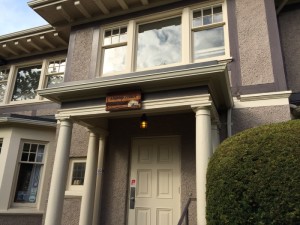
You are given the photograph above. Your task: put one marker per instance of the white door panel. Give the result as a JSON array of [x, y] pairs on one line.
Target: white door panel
[[155, 170]]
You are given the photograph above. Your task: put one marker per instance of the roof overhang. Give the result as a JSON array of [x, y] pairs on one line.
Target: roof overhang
[[38, 40], [213, 76], [73, 12]]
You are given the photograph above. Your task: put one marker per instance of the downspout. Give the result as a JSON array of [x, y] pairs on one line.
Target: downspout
[[229, 122], [284, 2]]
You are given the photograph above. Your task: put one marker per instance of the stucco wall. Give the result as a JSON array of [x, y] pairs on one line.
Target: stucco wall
[[290, 33], [245, 118], [79, 55], [71, 211], [254, 46], [20, 220], [115, 192], [79, 142]]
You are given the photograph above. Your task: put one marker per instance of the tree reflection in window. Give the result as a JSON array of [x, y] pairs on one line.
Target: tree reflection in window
[[27, 81]]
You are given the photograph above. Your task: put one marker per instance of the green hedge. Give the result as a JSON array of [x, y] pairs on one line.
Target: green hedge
[[254, 177]]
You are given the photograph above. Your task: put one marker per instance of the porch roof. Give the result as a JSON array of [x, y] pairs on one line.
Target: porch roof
[[214, 76]]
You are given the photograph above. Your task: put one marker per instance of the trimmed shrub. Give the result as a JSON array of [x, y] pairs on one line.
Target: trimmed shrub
[[254, 177]]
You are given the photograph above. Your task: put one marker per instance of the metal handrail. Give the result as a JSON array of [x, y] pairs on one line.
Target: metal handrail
[[185, 212]]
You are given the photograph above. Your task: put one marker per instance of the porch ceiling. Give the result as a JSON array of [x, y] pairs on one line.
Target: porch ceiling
[[215, 77], [72, 12], [33, 41]]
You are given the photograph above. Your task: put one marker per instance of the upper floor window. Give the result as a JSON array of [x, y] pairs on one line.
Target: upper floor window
[[3, 82], [114, 49], [55, 72], [29, 176], [27, 82], [19, 83], [159, 43], [196, 33], [208, 33]]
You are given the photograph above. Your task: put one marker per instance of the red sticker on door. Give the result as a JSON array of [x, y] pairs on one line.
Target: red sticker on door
[[133, 182]]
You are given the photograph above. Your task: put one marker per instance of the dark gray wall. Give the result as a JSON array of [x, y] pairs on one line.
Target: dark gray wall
[[290, 39]]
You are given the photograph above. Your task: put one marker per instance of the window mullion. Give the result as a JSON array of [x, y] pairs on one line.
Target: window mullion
[[130, 46], [42, 80], [186, 36], [10, 85]]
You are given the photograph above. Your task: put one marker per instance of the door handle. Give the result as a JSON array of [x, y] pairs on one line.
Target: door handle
[[132, 198]]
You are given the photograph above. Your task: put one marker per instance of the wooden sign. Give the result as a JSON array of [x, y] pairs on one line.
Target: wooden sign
[[123, 101]]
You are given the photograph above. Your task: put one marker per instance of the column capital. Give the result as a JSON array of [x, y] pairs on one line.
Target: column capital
[[201, 110], [99, 131]]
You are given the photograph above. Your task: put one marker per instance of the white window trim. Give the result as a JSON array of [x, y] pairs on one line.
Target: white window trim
[[13, 68], [46, 74], [186, 14], [223, 24], [74, 190], [35, 205]]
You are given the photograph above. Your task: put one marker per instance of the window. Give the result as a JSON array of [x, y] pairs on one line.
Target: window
[[1, 142], [30, 167], [22, 85], [3, 82], [78, 173], [159, 43], [76, 176], [196, 33], [27, 82], [208, 32], [55, 72], [114, 49]]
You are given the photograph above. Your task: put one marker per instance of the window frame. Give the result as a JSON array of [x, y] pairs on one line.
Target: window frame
[[223, 24], [14, 79], [5, 81], [11, 81], [140, 22], [1, 145], [36, 204], [47, 75], [103, 47], [74, 190], [186, 14]]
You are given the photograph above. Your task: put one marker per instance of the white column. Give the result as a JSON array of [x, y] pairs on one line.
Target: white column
[[59, 174], [215, 136], [87, 201], [98, 192], [203, 151]]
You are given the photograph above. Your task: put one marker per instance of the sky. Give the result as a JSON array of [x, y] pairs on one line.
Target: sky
[[16, 15]]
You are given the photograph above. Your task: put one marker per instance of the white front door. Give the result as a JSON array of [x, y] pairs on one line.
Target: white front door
[[155, 181]]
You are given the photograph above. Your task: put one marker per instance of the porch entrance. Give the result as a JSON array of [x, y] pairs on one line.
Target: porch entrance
[[155, 181]]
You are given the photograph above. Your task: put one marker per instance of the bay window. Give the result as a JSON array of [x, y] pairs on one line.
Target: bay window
[[27, 82], [19, 83], [30, 169]]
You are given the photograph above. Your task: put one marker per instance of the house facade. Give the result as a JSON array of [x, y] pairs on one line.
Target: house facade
[[77, 94]]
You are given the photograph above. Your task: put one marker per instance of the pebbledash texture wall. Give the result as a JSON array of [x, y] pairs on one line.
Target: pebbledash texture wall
[[254, 45], [246, 118]]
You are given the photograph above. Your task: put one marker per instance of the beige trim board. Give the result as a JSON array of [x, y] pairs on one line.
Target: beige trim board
[[159, 105], [262, 99]]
